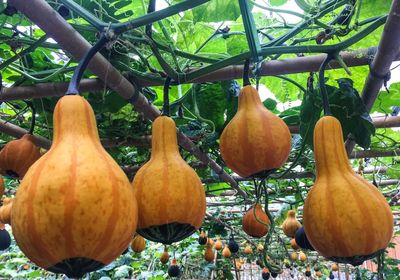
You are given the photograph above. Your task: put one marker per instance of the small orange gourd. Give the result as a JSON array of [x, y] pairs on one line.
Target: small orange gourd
[[248, 250], [75, 210], [302, 256], [346, 218], [170, 195], [293, 244], [255, 139], [260, 247], [294, 256], [226, 253], [291, 224], [218, 244], [318, 274], [5, 211], [164, 258], [138, 243], [209, 254], [18, 155], [335, 267], [256, 222]]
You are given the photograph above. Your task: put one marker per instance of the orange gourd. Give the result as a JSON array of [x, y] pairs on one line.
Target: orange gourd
[[260, 247], [18, 155], [335, 267], [5, 211], [209, 253], [318, 273], [346, 218], [248, 250], [164, 258], [255, 139], [251, 221], [170, 195], [302, 256], [218, 244], [75, 210], [226, 253], [293, 244], [138, 243], [291, 224], [294, 256], [2, 187]]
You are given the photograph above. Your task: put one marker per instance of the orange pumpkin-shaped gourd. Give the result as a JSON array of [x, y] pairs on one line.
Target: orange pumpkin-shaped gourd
[[293, 244], [164, 258], [335, 267], [318, 273], [75, 210], [170, 195], [138, 243], [302, 256], [248, 250], [255, 139], [255, 222], [346, 218], [218, 244], [226, 253], [260, 247], [293, 256], [2, 187], [209, 254], [5, 211], [18, 155], [291, 224]]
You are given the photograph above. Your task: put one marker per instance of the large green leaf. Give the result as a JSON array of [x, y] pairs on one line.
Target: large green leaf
[[217, 10]]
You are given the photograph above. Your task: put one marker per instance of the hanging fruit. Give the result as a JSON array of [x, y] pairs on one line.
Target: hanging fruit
[[255, 222], [209, 254], [218, 244], [308, 272], [5, 211], [260, 247], [274, 274], [210, 242], [5, 239], [173, 269], [138, 243], [293, 256], [170, 195], [255, 139], [291, 224], [74, 211], [226, 253], [1, 187], [17, 156], [164, 258], [302, 256], [302, 240], [233, 246], [248, 250], [346, 218], [318, 274], [202, 238], [265, 273], [335, 267], [293, 244]]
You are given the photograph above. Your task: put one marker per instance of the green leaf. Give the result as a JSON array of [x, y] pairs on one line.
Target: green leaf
[[217, 10], [277, 2], [270, 104], [386, 100]]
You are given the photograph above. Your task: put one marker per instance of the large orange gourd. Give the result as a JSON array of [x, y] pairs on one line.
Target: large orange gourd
[[255, 222], [18, 155], [345, 217], [255, 139], [75, 210], [170, 195]]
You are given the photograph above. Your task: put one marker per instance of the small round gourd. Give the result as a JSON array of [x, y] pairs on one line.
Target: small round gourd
[[256, 222], [164, 258], [260, 247], [294, 256], [302, 256], [173, 269], [74, 211], [346, 218], [138, 243], [265, 274], [291, 224], [308, 272], [248, 250], [202, 238], [335, 267], [226, 253], [170, 195], [218, 244], [318, 274], [5, 239], [18, 155], [255, 139]]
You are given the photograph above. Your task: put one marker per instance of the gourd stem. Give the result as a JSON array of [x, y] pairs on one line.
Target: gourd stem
[[83, 63], [324, 93], [165, 111], [246, 73], [33, 120]]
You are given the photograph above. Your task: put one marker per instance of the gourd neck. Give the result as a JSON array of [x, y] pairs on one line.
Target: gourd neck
[[329, 150], [291, 214], [164, 138], [249, 97]]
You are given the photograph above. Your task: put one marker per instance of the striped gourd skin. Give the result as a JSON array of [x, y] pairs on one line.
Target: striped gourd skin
[[251, 224], [291, 224], [255, 139], [167, 189], [75, 201], [138, 243], [18, 155], [344, 215]]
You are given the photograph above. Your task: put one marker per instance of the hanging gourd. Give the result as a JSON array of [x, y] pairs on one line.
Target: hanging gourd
[[302, 256], [202, 238], [209, 254], [248, 250], [17, 156], [170, 195], [218, 244], [164, 258], [2, 187], [293, 244], [75, 210], [265, 273], [335, 267], [294, 256], [210, 242], [318, 274], [260, 247], [308, 272], [256, 222], [138, 243], [5, 239], [5, 211], [291, 224], [232, 244], [255, 139], [274, 274], [173, 269], [226, 253], [302, 240], [346, 218]]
